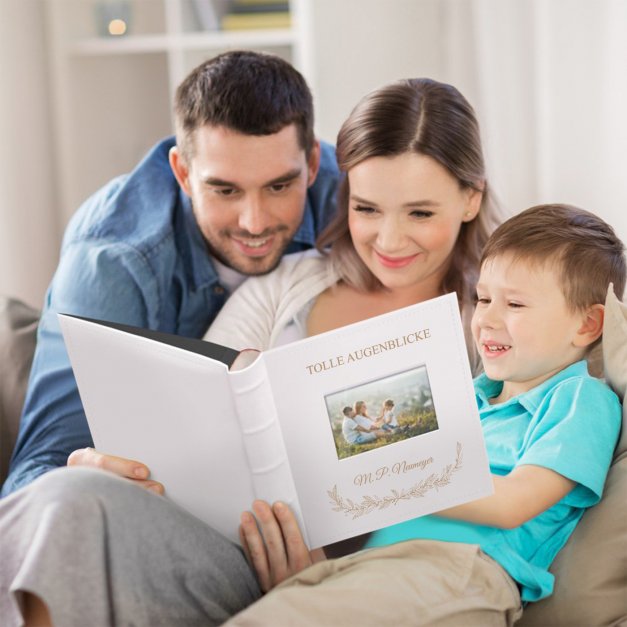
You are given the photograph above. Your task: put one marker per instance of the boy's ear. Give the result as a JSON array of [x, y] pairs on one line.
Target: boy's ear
[[592, 326]]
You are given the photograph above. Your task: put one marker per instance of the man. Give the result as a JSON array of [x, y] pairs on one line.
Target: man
[[162, 247]]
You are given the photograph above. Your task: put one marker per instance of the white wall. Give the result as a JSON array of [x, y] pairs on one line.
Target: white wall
[[27, 189], [362, 44]]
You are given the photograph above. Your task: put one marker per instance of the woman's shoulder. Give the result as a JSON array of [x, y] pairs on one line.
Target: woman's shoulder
[[301, 264]]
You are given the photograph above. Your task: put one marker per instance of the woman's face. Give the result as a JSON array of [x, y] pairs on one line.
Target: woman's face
[[404, 216]]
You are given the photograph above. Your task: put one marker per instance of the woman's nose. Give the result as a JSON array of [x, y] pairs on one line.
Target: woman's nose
[[391, 237]]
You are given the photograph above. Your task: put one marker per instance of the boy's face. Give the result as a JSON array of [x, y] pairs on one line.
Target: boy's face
[[248, 193], [523, 329]]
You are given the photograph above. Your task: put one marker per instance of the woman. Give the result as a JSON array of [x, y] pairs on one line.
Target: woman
[[414, 214]]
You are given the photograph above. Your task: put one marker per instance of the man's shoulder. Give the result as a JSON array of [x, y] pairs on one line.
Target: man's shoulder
[[135, 208], [328, 160]]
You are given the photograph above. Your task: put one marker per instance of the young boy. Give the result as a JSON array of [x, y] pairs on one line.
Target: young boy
[[388, 418], [550, 431]]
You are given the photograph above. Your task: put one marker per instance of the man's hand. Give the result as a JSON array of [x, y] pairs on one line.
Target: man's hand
[[127, 468], [274, 545]]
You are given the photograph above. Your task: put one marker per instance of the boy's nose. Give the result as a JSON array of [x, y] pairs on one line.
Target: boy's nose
[[488, 317]]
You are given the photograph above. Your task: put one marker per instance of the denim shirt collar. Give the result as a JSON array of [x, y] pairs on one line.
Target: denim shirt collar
[[193, 248], [486, 388]]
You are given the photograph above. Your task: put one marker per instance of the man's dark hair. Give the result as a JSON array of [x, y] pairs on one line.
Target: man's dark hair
[[248, 92]]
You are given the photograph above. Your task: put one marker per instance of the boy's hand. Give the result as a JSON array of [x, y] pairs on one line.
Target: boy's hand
[[273, 544], [127, 468]]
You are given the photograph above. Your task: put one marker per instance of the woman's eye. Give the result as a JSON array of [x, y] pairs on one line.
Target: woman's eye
[[482, 300], [516, 305], [421, 214], [364, 209]]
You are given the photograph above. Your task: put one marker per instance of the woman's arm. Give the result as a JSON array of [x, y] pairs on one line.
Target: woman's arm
[[274, 545]]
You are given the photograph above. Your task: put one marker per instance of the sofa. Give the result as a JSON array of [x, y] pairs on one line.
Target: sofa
[[590, 571]]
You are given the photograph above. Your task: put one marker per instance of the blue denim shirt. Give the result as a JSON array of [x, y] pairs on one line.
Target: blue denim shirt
[[133, 253]]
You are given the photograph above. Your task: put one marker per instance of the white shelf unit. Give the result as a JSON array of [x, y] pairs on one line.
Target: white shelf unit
[[113, 95]]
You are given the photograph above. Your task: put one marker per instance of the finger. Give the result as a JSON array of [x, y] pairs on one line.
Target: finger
[[273, 538], [152, 486], [298, 555], [119, 465], [255, 550]]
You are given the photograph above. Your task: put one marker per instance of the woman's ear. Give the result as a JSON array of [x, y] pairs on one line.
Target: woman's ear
[[179, 168], [591, 327], [473, 203]]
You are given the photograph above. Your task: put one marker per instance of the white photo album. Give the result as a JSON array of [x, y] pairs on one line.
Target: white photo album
[[284, 427]]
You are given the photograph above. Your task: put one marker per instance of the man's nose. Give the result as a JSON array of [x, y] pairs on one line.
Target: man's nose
[[253, 218]]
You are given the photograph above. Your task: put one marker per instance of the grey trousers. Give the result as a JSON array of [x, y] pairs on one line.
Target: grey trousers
[[101, 551]]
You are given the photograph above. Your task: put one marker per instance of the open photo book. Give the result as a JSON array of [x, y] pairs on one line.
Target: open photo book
[[355, 429]]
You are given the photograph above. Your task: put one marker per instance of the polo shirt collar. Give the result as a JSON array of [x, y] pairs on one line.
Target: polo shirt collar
[[486, 388]]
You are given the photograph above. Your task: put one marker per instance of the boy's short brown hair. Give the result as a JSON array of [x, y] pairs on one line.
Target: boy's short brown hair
[[583, 248]]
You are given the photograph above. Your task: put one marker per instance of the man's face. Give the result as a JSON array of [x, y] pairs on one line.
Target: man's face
[[248, 193]]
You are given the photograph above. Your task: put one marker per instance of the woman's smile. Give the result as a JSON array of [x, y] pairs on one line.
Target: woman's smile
[[395, 262]]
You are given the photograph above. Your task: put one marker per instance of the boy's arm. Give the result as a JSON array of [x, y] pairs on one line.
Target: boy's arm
[[519, 496]]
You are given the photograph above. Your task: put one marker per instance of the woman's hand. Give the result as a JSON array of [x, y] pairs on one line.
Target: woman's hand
[[274, 545], [127, 468]]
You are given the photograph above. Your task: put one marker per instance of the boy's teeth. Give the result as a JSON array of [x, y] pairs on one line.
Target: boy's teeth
[[495, 349]]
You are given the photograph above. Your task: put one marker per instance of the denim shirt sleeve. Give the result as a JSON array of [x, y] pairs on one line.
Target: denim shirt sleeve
[[105, 280]]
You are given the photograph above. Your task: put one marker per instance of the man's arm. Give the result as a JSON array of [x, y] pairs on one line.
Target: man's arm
[[104, 281]]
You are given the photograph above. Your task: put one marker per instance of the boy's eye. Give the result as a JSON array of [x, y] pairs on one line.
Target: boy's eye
[[482, 300], [514, 305]]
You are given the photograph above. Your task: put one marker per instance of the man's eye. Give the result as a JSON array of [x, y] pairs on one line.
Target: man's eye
[[279, 187], [225, 191]]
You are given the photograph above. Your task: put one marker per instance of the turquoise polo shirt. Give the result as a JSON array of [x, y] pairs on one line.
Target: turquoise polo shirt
[[569, 424]]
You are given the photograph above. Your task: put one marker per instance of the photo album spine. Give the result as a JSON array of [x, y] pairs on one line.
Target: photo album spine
[[263, 441]]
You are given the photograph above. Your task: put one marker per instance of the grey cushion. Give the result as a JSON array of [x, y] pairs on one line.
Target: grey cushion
[[18, 328]]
